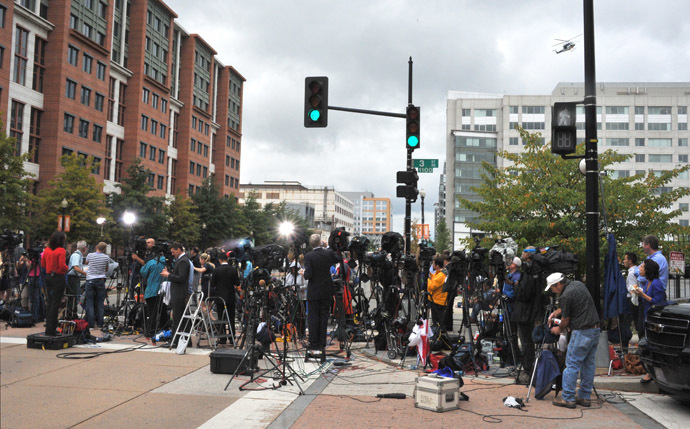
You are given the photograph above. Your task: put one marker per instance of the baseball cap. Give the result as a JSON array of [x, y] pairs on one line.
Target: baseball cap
[[552, 279], [517, 261]]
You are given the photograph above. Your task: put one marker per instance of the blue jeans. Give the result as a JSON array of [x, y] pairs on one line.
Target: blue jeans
[[580, 359], [95, 296]]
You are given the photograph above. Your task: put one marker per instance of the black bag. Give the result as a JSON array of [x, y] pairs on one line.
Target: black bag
[[556, 261], [21, 319]]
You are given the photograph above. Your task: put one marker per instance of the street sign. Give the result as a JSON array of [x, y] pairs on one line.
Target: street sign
[[676, 263], [64, 226], [425, 170], [425, 163]]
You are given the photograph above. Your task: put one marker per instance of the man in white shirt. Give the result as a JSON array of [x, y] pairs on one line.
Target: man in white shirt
[[74, 275], [95, 285]]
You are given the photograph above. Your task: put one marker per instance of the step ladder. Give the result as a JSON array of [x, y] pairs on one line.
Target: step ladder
[[213, 334], [193, 318]]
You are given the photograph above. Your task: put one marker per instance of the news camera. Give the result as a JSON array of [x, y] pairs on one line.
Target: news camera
[[338, 240], [269, 257], [358, 247], [10, 240]]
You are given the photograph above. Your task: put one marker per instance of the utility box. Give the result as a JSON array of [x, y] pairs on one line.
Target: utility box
[[437, 393]]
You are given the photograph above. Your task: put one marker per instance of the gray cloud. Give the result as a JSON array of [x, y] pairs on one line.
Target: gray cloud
[[363, 46]]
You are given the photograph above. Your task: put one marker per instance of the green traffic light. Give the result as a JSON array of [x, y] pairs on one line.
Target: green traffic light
[[314, 115], [412, 141]]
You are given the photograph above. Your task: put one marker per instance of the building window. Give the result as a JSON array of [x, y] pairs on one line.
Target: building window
[[72, 55], [227, 160], [617, 142], [682, 158], [193, 145], [142, 150], [164, 105], [87, 62], [205, 172], [86, 30], [191, 167], [161, 181], [227, 180], [161, 156], [659, 142], [639, 142], [118, 160], [17, 124], [121, 105], [39, 64], [683, 142], [97, 133], [173, 174], [85, 96], [108, 157], [639, 110], [100, 71], [152, 153], [513, 141], [163, 129], [111, 99], [683, 222], [684, 207], [20, 55], [68, 123], [154, 127], [144, 122], [660, 157], [98, 104], [198, 170], [154, 101], [682, 126], [70, 89], [83, 128], [639, 126], [145, 96], [533, 110], [206, 151], [176, 121], [96, 166], [35, 134]]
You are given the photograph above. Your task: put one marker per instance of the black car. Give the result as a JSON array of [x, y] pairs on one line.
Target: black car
[[665, 352]]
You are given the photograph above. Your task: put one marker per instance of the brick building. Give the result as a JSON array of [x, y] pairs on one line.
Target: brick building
[[117, 80]]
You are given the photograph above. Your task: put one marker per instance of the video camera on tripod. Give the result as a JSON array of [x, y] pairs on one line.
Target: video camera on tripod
[[269, 257], [9, 240]]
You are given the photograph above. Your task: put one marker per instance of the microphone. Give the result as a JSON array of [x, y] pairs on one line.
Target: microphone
[[391, 395]]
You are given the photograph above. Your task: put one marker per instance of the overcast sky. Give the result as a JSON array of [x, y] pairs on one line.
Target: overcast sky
[[502, 47]]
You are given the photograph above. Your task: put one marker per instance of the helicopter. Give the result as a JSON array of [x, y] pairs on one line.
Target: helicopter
[[565, 45]]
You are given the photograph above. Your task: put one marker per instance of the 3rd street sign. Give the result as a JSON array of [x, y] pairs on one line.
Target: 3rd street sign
[[425, 165]]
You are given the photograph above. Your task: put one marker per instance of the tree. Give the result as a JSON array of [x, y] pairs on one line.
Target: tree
[[442, 241], [85, 201], [151, 212], [185, 223], [539, 199], [219, 214], [14, 192]]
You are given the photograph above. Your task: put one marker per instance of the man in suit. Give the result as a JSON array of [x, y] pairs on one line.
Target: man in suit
[[179, 283], [224, 282], [317, 270]]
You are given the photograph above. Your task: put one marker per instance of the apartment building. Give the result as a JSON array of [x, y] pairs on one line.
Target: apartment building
[[119, 80]]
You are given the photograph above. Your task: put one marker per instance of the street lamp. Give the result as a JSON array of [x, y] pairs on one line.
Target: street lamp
[[203, 236], [422, 194], [170, 225], [101, 222], [63, 205], [286, 228]]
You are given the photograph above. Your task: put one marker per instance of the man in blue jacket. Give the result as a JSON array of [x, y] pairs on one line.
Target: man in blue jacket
[[156, 310]]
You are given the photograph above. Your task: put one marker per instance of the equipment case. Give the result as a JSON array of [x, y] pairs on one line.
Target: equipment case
[[47, 342], [437, 393], [226, 361]]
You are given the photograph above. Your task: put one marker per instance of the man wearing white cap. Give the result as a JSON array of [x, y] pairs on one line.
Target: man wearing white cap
[[578, 313]]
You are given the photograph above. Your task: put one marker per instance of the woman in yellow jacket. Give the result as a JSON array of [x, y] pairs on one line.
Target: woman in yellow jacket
[[438, 298]]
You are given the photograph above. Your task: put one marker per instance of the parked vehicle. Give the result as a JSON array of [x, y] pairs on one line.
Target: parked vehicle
[[665, 350]]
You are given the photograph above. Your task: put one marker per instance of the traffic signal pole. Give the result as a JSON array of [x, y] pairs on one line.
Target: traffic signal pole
[[408, 202], [591, 159]]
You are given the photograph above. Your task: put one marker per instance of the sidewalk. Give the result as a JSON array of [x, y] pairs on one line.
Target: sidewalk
[[156, 387]]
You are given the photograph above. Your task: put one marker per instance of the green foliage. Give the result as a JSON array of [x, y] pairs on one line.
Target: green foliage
[[151, 212], [217, 213], [185, 222], [14, 192], [442, 240], [539, 199], [85, 201]]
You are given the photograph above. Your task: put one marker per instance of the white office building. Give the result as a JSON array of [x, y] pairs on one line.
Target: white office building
[[647, 120]]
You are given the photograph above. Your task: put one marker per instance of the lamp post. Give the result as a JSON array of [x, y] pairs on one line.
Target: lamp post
[[203, 236], [170, 225], [422, 194], [63, 206], [101, 222]]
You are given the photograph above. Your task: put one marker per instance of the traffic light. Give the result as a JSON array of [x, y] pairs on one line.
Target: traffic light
[[316, 102], [412, 128], [563, 129], [409, 189]]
